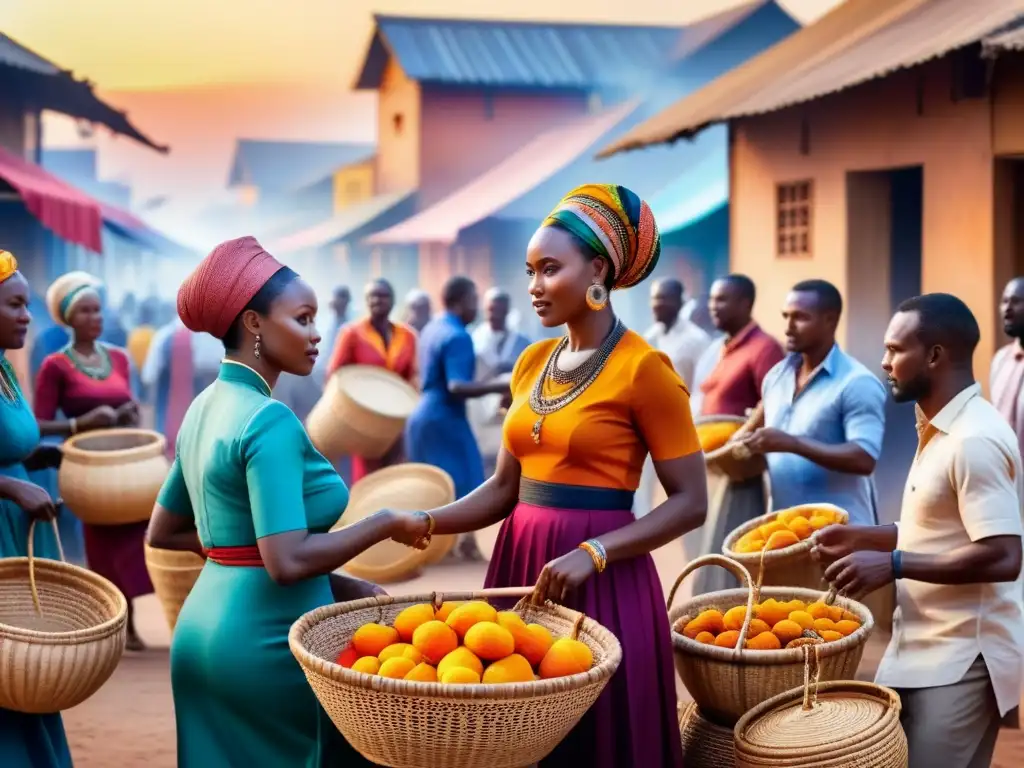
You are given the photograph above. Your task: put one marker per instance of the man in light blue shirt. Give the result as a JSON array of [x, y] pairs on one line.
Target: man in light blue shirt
[[824, 413]]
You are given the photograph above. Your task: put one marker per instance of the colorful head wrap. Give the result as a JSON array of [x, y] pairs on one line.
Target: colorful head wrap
[[617, 224], [8, 265], [223, 284], [67, 291]]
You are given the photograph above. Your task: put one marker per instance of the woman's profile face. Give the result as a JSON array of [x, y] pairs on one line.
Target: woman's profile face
[[560, 276], [87, 319], [288, 335], [14, 314]]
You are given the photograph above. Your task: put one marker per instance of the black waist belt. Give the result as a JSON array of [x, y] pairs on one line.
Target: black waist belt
[[583, 497]]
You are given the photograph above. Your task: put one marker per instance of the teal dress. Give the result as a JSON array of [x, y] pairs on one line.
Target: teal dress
[[245, 469], [26, 741]]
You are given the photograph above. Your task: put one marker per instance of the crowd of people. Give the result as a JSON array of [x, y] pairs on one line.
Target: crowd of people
[[584, 447]]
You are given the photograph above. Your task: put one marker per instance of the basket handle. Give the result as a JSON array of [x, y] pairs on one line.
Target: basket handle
[[32, 559], [737, 570], [812, 676]]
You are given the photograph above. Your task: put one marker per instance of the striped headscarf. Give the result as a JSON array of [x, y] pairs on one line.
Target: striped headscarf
[[616, 224], [69, 289], [8, 264]]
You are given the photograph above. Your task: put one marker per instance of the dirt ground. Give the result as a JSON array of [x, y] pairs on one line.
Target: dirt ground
[[130, 721]]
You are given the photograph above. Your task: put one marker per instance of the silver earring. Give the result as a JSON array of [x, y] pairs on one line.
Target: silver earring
[[256, 347]]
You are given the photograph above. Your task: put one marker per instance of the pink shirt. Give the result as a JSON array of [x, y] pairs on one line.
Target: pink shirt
[[1006, 382]]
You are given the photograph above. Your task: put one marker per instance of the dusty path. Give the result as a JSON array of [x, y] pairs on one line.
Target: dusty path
[[130, 722]]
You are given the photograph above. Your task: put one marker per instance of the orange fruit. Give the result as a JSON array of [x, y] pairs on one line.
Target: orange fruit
[[368, 665], [818, 610], [407, 621], [734, 617], [835, 613], [771, 612], [400, 649], [766, 641], [423, 673], [460, 676], [566, 657], [728, 639], [796, 605], [468, 614], [511, 669], [371, 639], [347, 657], [509, 619], [767, 529], [846, 627], [803, 618], [757, 626], [786, 631], [434, 640], [824, 625], [818, 522], [801, 527], [446, 608], [830, 635], [460, 657], [532, 641], [707, 621], [490, 641], [705, 637], [787, 516], [397, 668], [782, 539]]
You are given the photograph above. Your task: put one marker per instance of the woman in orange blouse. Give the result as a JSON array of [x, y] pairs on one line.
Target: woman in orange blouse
[[376, 340], [586, 410]]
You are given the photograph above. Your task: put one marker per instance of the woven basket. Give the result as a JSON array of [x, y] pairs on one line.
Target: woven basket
[[733, 460], [842, 724], [725, 682], [362, 412], [113, 476], [173, 574], [403, 487], [790, 566], [412, 724], [62, 632], [705, 745]]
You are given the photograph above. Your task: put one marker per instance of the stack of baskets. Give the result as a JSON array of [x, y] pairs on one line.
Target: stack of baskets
[[409, 724]]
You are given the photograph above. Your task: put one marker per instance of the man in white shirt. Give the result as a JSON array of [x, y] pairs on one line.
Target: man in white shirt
[[956, 655]]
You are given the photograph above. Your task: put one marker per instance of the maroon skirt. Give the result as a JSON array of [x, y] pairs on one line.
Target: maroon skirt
[[634, 722], [116, 552]]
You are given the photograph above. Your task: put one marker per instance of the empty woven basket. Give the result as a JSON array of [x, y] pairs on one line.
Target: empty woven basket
[[408, 724], [173, 574]]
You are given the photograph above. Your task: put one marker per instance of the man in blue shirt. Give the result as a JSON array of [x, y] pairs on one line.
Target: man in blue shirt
[[824, 413]]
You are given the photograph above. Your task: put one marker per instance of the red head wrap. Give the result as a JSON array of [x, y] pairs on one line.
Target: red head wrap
[[224, 282]]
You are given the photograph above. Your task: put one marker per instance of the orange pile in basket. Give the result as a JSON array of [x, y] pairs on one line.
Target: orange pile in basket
[[465, 642], [714, 434], [776, 625], [790, 526]]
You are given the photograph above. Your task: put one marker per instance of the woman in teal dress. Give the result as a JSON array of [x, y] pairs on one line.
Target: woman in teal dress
[[26, 741], [262, 500]]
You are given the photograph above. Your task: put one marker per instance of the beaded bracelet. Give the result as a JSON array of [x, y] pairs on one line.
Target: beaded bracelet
[[597, 553]]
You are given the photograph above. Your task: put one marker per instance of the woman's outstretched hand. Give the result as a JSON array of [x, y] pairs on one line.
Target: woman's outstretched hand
[[563, 575], [410, 528]]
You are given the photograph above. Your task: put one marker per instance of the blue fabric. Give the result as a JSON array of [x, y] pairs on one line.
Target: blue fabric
[[438, 431], [841, 403], [47, 341]]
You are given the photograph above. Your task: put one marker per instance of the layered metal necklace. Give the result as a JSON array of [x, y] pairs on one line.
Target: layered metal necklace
[[96, 366], [9, 388], [578, 379]]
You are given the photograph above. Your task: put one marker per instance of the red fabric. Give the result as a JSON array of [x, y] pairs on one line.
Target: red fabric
[[72, 214], [735, 383], [60, 386], [224, 282], [242, 557], [180, 393]]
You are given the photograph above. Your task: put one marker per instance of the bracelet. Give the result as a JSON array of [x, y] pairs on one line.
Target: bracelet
[[423, 541], [73, 423], [597, 553], [897, 564]]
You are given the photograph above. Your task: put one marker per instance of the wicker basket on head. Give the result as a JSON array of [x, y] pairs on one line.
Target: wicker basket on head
[[173, 574], [728, 682], [790, 566], [841, 724], [705, 744], [62, 632], [409, 724], [732, 460], [362, 412]]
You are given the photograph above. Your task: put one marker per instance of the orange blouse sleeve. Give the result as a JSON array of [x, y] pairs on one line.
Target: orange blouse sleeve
[[343, 353], [661, 407]]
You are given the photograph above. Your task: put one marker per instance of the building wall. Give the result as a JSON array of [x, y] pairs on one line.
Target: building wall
[[873, 127], [13, 123], [398, 132], [353, 184]]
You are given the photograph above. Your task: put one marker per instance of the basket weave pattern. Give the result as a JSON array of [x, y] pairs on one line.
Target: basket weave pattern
[[731, 460], [173, 574], [726, 682], [57, 652], [411, 724], [705, 745]]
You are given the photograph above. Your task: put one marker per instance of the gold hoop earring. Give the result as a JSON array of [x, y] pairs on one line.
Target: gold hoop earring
[[257, 347], [597, 297]]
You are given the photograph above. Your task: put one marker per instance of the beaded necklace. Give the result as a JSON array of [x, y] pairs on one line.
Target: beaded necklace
[[580, 377], [99, 371], [9, 389]]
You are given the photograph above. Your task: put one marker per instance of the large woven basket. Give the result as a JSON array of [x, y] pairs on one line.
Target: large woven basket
[[173, 574], [725, 682], [790, 566], [362, 412], [62, 633], [412, 724], [841, 724], [705, 744], [403, 487], [732, 459], [113, 476]]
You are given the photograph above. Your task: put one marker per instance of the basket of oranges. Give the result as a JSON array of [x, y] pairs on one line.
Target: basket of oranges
[[723, 453], [734, 649], [777, 546], [449, 681]]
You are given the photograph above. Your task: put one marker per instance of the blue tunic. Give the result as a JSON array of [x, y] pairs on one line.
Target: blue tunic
[[26, 741], [438, 431]]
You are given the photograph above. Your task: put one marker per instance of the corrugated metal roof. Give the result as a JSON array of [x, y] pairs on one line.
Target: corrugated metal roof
[[858, 41], [1009, 39], [339, 226], [14, 54], [286, 166], [518, 54]]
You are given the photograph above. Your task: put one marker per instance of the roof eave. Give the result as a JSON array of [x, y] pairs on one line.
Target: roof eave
[[375, 60], [630, 143]]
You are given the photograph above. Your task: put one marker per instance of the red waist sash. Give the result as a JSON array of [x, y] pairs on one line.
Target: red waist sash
[[243, 557]]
